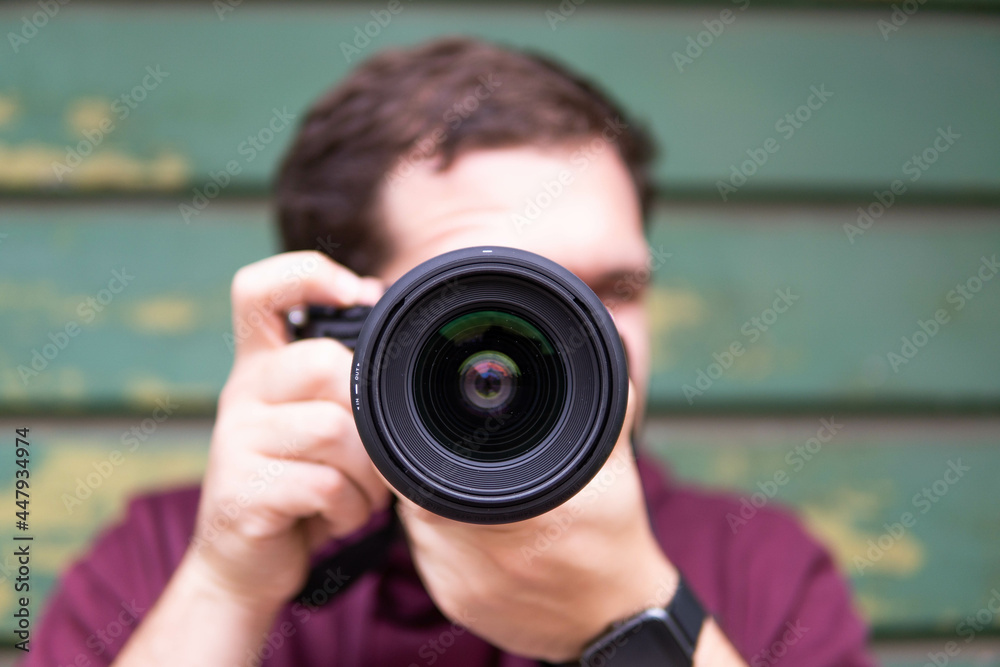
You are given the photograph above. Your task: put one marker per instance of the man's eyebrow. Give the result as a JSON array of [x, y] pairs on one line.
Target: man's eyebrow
[[609, 279]]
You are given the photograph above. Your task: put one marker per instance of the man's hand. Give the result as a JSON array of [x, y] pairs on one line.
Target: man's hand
[[287, 470], [545, 587]]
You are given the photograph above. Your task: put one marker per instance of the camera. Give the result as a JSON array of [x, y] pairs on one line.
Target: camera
[[489, 384]]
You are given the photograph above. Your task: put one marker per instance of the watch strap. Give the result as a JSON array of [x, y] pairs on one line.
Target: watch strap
[[653, 638], [688, 615]]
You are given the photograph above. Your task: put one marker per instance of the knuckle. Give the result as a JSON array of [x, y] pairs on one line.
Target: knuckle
[[351, 522], [233, 393], [256, 526], [326, 359], [228, 432], [331, 484], [324, 354], [318, 257], [245, 285], [328, 422]]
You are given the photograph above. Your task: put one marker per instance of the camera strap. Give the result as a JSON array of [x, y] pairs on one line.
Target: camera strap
[[336, 573]]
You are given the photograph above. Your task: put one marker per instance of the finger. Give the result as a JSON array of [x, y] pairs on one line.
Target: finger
[[371, 291], [310, 369], [264, 291], [322, 432], [294, 490]]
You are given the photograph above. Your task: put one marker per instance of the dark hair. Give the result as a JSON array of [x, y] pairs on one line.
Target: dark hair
[[404, 100]]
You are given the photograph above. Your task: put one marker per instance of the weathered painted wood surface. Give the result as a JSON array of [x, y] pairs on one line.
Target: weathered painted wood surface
[[847, 104]]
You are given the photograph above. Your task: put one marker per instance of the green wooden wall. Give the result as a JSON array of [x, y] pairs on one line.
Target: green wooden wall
[[162, 96], [851, 305], [220, 81]]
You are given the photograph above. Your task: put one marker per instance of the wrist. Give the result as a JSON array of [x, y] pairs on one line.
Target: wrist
[[200, 581], [218, 625], [655, 636], [652, 584], [649, 582]]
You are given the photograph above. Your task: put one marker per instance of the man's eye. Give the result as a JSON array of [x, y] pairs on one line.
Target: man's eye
[[621, 291], [629, 288]]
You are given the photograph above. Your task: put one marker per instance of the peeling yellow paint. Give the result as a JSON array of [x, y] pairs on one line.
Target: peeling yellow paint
[[144, 391], [731, 468], [9, 109], [165, 315], [11, 386], [170, 170], [64, 382], [43, 300], [87, 114], [756, 363], [872, 607], [670, 310], [31, 165], [66, 466], [70, 381], [28, 165], [834, 523], [114, 169]]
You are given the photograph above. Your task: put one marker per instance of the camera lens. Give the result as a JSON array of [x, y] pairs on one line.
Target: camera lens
[[488, 385]]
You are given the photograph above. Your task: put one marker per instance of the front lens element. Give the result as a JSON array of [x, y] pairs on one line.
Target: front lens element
[[488, 385], [489, 381]]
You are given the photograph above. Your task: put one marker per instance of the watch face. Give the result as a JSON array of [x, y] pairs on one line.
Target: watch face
[[653, 638], [645, 641]]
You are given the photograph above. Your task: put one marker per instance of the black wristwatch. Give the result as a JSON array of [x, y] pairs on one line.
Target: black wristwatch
[[653, 638]]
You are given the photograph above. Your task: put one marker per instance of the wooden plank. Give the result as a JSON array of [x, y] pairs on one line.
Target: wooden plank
[[977, 657], [983, 652], [165, 332], [925, 578], [854, 304], [890, 95], [71, 500], [939, 571]]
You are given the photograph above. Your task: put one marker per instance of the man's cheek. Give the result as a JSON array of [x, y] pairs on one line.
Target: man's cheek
[[633, 328]]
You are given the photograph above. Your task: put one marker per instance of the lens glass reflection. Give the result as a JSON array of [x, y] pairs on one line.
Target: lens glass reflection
[[489, 385]]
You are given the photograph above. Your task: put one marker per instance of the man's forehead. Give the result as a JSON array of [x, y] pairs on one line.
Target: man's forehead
[[576, 207]]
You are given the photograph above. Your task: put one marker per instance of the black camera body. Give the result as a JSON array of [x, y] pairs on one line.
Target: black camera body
[[489, 384]]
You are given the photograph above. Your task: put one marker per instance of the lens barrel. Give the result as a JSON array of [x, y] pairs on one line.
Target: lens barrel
[[489, 385]]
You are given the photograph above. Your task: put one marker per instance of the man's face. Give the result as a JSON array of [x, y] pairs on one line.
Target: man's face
[[593, 227]]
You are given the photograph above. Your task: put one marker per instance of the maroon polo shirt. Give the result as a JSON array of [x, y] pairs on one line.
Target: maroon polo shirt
[[773, 590]]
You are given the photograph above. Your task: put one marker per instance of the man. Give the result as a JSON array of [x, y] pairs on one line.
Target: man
[[420, 152]]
